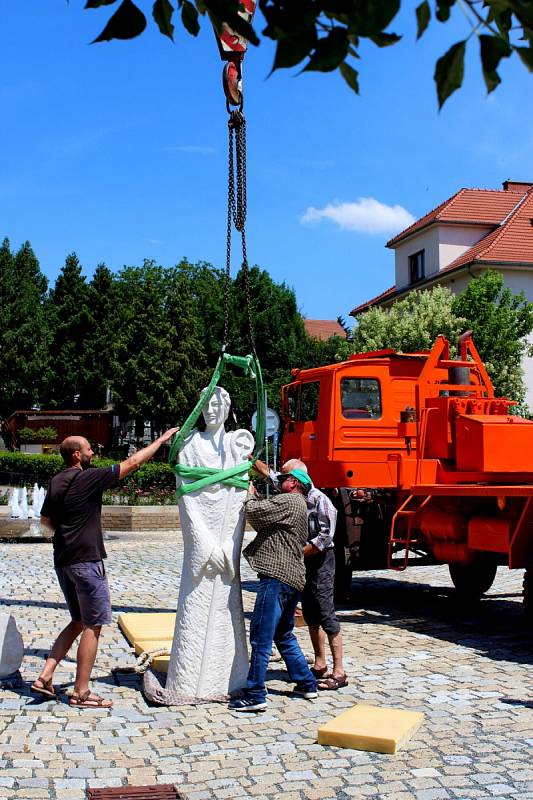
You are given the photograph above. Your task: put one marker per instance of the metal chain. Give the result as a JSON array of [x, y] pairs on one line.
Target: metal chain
[[231, 203], [237, 214]]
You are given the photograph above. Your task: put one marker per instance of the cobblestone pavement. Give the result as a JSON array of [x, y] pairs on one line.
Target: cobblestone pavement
[[408, 644]]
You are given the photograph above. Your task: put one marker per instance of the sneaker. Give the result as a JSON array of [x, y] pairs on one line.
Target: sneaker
[[246, 704], [307, 694]]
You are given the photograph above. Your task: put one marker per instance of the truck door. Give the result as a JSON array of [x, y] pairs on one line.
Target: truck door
[[308, 418], [300, 412]]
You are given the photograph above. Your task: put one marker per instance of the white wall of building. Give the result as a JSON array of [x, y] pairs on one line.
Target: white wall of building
[[442, 244], [454, 240], [428, 241]]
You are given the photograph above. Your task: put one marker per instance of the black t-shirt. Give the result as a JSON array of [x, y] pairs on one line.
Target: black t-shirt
[[74, 502]]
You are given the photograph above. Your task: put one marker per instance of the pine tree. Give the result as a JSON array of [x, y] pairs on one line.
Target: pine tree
[[72, 324], [101, 344], [24, 335], [279, 333], [161, 362]]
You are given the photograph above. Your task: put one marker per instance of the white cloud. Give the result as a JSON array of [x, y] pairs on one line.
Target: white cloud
[[366, 215]]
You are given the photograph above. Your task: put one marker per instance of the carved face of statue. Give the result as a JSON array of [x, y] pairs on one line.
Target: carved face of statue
[[216, 410]]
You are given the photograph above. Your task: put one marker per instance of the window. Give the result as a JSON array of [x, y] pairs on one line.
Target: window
[[309, 401], [293, 396], [416, 266], [360, 398]]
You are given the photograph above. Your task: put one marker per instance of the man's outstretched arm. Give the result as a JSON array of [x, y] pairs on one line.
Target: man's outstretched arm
[[144, 455]]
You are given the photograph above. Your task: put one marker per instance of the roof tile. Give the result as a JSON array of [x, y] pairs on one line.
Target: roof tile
[[324, 328], [468, 206]]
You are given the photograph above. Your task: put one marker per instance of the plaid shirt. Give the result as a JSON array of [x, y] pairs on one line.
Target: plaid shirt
[[322, 519], [277, 550], [321, 515]]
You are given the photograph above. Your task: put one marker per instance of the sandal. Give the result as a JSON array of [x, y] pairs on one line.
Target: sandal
[[332, 683], [89, 700], [40, 686], [319, 673]]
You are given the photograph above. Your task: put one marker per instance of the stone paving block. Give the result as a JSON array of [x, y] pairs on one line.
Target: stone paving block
[[468, 663], [432, 794]]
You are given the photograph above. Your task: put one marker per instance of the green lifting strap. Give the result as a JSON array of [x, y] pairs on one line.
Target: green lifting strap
[[206, 476]]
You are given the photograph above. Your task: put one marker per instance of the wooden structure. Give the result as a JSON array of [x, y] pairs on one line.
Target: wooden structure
[[95, 425]]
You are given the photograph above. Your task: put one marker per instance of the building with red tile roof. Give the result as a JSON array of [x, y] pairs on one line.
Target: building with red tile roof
[[324, 328], [472, 231]]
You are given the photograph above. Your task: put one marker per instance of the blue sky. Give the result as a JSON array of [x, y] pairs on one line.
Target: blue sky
[[118, 151]]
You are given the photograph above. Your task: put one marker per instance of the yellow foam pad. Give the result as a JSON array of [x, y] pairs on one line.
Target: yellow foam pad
[[160, 663], [147, 632], [380, 730], [153, 626], [149, 645]]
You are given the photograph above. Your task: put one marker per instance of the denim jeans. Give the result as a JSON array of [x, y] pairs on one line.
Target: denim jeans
[[273, 621]]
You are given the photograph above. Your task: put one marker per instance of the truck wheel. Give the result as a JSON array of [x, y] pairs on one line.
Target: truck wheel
[[527, 592], [474, 579]]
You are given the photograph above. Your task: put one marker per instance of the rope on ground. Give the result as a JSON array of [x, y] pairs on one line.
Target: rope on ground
[[143, 661]]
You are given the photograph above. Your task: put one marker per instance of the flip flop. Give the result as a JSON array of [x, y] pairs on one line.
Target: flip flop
[[332, 683], [44, 687], [89, 700]]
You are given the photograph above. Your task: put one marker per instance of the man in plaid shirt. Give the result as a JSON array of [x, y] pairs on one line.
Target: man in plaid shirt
[[276, 554]]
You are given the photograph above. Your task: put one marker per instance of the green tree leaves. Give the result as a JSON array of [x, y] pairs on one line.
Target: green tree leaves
[[127, 22], [323, 35], [24, 338], [70, 322], [500, 321], [162, 12], [423, 16], [493, 49], [449, 71], [410, 324], [330, 51], [189, 17]]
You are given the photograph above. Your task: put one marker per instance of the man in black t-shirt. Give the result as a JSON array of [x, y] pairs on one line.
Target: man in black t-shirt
[[72, 508]]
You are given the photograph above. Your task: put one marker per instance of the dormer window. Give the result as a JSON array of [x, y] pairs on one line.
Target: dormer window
[[416, 266]]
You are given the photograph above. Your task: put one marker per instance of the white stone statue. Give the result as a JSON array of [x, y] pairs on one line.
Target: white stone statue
[[209, 657], [11, 646]]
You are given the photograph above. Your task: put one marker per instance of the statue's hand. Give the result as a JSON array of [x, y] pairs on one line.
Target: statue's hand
[[217, 561]]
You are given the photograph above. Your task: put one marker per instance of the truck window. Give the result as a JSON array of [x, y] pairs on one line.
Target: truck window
[[309, 401], [293, 397], [360, 398]]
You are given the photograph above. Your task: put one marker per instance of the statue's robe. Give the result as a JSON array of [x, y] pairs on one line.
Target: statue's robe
[[209, 657]]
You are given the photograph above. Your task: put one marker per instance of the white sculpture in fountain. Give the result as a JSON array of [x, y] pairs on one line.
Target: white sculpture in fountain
[[37, 501], [14, 506], [209, 657], [23, 502]]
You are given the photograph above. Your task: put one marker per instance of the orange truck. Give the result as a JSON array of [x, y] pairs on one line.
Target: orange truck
[[423, 463]]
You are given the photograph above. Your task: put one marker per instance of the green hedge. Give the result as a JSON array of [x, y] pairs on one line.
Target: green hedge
[[20, 468]]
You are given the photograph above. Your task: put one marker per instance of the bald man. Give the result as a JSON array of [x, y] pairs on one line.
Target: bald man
[[72, 509]]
